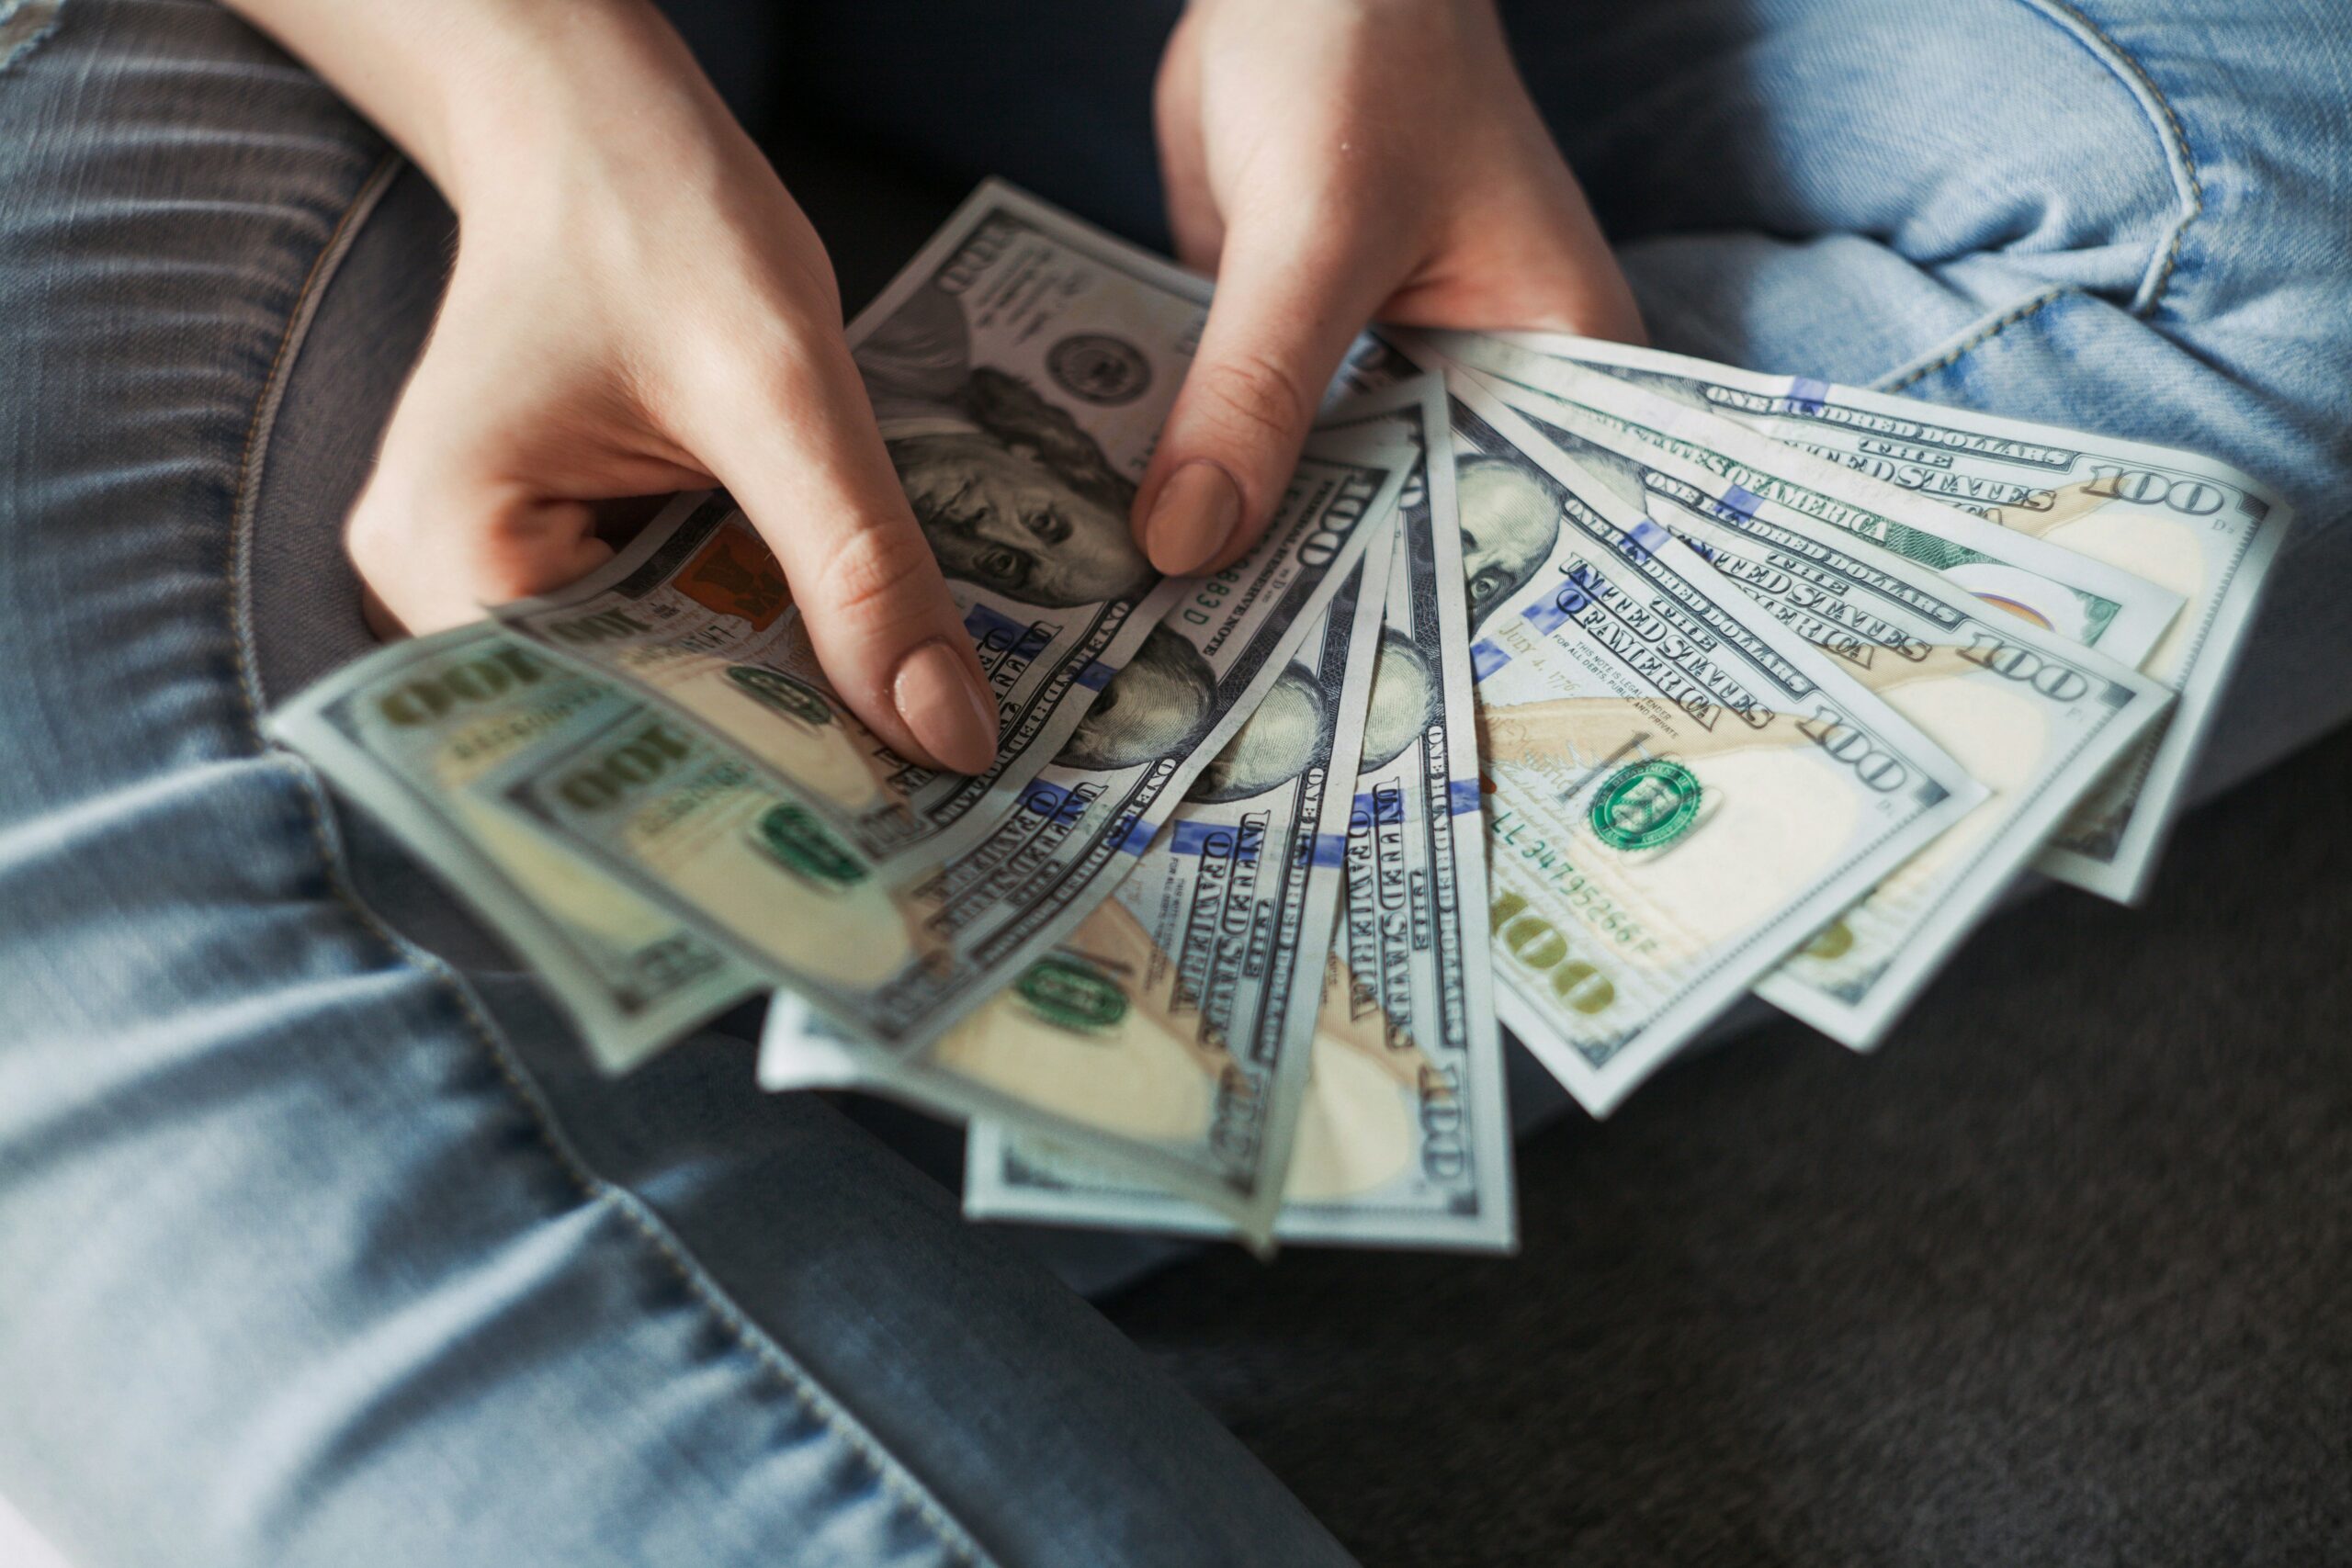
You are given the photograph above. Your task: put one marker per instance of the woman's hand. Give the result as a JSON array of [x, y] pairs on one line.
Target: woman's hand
[[636, 307], [1334, 161]]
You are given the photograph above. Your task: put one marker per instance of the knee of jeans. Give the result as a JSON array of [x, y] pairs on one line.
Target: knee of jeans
[[2052, 155], [2010, 143], [2246, 97], [23, 24], [2173, 163]]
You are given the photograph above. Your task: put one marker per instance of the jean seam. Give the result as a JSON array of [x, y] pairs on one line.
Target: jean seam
[[700, 1286], [2162, 264], [2188, 184], [1971, 339]]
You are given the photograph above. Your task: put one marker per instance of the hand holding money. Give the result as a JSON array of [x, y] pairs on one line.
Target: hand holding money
[[1314, 157], [638, 307], [1555, 689]]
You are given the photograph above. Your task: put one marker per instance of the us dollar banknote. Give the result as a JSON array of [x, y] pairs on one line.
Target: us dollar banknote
[[893, 955], [1404, 1135], [2034, 717], [1020, 369], [2089, 601], [1175, 1025], [410, 730], [2196, 527], [1679, 790]]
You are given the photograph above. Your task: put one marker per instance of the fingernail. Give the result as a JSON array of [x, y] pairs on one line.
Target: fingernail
[[952, 714], [1193, 519]]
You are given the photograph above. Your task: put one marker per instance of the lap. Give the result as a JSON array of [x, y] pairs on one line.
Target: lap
[[317, 1238], [1890, 195], [320, 1246], [2114, 215]]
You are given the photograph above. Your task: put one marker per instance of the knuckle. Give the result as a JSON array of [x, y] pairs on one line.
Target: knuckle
[[874, 574], [372, 537], [1255, 395], [363, 532], [420, 545]]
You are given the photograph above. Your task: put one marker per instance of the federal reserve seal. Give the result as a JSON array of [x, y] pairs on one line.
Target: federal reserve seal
[[1072, 995], [798, 842], [1099, 367], [1645, 805], [794, 699]]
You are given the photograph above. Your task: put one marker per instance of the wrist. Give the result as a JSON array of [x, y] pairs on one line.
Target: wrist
[[485, 95], [558, 82]]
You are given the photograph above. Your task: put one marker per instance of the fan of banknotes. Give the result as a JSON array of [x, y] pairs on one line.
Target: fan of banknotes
[[1579, 687]]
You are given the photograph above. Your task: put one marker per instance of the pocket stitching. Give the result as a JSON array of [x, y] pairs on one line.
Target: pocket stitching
[[2188, 182], [1976, 338]]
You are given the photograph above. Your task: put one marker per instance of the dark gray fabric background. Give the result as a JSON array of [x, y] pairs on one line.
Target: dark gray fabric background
[[2058, 1277]]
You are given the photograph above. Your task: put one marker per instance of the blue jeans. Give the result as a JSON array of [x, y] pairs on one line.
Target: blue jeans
[[319, 1243]]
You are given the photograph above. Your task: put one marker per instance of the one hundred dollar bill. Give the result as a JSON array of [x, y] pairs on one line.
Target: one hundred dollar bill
[[1176, 1023], [408, 730], [695, 613], [1404, 1139], [1020, 367], [1680, 789], [892, 958], [2090, 601], [2034, 717], [2196, 527]]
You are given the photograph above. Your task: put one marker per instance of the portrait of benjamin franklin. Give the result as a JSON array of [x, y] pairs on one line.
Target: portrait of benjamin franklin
[[1404, 699], [1611, 471], [1287, 735], [1291, 730], [1153, 706], [1013, 495], [1510, 517]]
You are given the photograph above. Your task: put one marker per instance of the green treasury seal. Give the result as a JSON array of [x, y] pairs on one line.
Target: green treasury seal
[[1072, 995], [1645, 805], [798, 842], [794, 699]]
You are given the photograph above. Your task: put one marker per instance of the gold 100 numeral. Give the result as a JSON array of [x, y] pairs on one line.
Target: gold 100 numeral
[[1536, 945]]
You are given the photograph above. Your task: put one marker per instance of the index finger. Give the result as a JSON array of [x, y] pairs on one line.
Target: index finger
[[1283, 315]]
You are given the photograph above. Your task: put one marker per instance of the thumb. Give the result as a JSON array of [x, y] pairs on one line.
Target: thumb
[[802, 456], [1283, 315]]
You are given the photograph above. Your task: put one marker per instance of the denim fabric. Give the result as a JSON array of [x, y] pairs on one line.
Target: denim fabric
[[2127, 216], [319, 1242], [316, 1250]]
